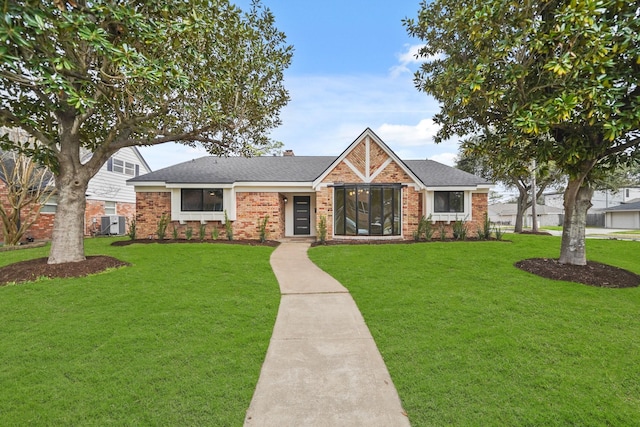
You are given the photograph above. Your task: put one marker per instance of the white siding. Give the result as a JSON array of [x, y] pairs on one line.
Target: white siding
[[112, 186]]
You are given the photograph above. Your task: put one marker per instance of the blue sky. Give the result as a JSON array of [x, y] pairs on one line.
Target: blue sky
[[352, 68]]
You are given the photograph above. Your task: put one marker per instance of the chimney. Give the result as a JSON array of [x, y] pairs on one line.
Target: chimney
[[288, 153]]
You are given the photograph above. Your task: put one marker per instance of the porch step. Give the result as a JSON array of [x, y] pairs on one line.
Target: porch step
[[297, 239]]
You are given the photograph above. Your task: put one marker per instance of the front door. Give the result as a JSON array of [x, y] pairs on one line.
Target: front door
[[302, 215]]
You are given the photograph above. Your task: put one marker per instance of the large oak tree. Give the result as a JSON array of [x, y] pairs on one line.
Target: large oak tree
[[101, 75], [564, 70]]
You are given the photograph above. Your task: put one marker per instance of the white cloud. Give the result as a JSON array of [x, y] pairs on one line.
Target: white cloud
[[327, 113], [409, 135], [406, 58], [445, 158]]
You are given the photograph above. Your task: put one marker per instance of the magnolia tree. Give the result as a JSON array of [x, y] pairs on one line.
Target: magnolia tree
[[563, 74], [102, 75]]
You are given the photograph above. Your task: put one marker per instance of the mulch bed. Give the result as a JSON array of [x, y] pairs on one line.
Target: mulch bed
[[592, 274], [28, 271]]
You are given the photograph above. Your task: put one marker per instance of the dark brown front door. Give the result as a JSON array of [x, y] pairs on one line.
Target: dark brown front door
[[302, 215]]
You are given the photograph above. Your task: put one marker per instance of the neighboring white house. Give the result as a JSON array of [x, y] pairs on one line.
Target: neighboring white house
[[626, 215], [601, 199], [108, 193], [505, 214]]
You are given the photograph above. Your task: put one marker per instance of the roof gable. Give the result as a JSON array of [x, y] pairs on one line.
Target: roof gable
[[366, 158]]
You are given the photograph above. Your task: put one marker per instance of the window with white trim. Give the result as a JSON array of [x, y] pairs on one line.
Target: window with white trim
[[110, 208], [121, 166], [448, 201], [201, 200], [50, 206]]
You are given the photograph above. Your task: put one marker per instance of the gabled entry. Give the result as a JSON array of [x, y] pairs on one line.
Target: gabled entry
[[302, 215]]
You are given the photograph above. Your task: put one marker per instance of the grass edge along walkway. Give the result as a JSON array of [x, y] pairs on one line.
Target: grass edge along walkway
[[470, 340]]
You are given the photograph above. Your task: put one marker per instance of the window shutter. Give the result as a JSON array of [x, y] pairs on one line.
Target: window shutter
[[110, 164], [137, 170]]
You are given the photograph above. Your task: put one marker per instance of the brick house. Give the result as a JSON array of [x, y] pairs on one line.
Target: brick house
[[366, 192], [107, 194]]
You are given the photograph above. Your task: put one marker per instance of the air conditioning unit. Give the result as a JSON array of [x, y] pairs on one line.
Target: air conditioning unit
[[112, 225]]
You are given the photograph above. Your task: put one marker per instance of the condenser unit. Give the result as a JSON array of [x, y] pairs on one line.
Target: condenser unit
[[112, 225]]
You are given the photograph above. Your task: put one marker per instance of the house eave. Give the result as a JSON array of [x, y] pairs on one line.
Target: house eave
[[457, 187], [146, 183]]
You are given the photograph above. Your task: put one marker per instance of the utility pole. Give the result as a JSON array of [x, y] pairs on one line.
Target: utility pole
[[534, 200]]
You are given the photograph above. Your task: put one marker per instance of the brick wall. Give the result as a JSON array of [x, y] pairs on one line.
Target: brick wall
[[42, 229], [252, 208], [150, 207], [95, 210], [479, 206], [324, 207]]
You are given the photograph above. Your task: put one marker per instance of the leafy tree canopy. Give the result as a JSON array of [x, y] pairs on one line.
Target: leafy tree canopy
[[566, 68], [556, 80], [122, 73], [101, 75]]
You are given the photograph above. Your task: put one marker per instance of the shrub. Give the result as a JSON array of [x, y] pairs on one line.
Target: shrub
[[202, 231], [425, 229], [485, 232], [132, 229], [215, 233], [498, 232], [262, 225], [228, 226], [443, 231], [189, 233], [459, 229], [322, 229], [161, 231], [417, 234], [174, 233]]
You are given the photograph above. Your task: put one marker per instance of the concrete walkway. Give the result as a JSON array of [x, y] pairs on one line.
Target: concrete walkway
[[322, 367]]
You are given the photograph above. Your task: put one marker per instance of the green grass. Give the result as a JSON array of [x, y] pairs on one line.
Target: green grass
[[178, 338], [628, 232], [471, 340]]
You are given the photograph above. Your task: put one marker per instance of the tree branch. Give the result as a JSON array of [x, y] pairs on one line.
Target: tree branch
[[635, 142]]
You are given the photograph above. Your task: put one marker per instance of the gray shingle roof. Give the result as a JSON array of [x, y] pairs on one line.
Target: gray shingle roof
[[434, 174], [227, 170], [634, 206]]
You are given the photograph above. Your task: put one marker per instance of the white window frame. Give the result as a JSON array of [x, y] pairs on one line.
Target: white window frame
[[129, 169], [50, 207], [448, 216], [110, 208], [117, 166]]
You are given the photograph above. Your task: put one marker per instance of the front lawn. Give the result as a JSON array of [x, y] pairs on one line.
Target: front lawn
[[178, 338], [471, 340]]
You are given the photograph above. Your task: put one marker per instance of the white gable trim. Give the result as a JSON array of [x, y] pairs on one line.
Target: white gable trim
[[367, 136], [380, 169], [355, 170]]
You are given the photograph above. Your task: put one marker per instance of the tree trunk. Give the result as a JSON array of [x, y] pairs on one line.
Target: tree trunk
[[67, 244], [521, 210], [577, 200]]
